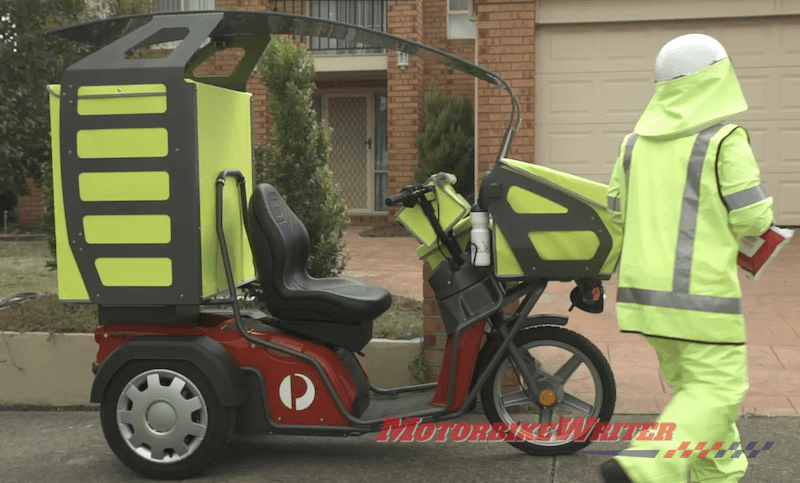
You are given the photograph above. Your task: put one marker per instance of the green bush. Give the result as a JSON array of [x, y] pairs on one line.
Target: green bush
[[448, 143], [296, 160]]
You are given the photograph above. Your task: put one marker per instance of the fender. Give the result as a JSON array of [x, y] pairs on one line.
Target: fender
[[493, 341], [201, 351]]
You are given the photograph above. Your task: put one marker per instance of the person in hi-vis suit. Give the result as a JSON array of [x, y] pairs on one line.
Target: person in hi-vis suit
[[686, 188]]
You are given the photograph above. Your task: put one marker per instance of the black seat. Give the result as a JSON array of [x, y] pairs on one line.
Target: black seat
[[280, 245]]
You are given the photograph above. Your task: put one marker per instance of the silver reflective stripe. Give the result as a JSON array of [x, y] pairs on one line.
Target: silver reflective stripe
[[626, 158], [700, 303], [613, 203], [744, 198], [691, 199]]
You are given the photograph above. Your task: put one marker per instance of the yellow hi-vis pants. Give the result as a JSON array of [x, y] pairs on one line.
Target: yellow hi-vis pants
[[710, 382]]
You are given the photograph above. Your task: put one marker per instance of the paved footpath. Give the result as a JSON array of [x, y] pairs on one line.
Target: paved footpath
[[771, 309], [56, 447]]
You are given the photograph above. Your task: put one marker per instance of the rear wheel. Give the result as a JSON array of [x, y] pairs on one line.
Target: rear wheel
[[574, 380], [163, 419]]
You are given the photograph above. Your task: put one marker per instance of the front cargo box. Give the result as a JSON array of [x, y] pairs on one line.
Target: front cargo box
[[549, 224]]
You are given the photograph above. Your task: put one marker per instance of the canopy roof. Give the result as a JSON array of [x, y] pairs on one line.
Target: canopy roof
[[250, 29]]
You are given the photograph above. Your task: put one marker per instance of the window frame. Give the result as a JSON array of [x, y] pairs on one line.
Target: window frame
[[469, 13]]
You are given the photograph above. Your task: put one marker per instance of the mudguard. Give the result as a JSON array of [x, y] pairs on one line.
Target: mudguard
[[201, 351]]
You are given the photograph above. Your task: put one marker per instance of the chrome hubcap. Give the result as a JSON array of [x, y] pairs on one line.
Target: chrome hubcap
[[162, 416]]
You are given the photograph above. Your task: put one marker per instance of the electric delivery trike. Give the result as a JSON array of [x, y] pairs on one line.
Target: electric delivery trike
[[157, 215]]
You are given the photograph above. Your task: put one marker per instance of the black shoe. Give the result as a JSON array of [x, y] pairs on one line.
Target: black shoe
[[613, 473]]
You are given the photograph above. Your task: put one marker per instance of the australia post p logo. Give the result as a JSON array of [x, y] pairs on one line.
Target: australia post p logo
[[297, 392]]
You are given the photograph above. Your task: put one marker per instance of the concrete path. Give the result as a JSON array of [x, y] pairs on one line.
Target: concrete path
[[68, 447]]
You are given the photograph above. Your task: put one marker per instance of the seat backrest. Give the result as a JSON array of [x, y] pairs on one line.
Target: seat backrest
[[280, 244]]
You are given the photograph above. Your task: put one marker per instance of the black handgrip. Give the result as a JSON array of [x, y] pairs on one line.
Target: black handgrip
[[398, 198], [408, 197]]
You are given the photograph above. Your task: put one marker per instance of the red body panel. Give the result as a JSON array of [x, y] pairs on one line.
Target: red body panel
[[295, 391], [467, 354]]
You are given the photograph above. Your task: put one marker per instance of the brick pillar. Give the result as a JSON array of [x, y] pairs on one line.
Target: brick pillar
[[405, 121], [405, 94], [29, 207], [506, 46]]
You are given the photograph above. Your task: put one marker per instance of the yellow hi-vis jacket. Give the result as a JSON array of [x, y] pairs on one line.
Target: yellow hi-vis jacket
[[686, 188]]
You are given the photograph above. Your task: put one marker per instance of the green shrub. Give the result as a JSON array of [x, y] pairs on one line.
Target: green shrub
[[296, 160], [448, 143]]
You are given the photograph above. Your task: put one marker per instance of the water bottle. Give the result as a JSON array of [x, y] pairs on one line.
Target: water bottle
[[480, 238]]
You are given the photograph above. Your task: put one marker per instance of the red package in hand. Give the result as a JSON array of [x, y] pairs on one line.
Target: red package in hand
[[757, 252]]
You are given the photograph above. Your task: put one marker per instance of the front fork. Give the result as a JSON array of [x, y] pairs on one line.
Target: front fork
[[518, 358], [540, 390]]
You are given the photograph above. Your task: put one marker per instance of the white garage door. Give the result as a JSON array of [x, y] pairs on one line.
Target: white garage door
[[593, 81]]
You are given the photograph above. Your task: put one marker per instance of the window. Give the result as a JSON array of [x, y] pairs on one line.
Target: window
[[180, 5], [459, 24]]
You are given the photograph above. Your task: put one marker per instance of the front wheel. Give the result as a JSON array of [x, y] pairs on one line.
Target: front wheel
[[573, 378], [163, 419]]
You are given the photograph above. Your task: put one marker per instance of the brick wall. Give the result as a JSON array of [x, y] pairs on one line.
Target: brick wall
[[505, 46], [451, 81], [405, 95]]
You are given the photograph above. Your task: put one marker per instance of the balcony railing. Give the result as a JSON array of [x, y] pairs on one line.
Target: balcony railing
[[366, 13], [182, 5]]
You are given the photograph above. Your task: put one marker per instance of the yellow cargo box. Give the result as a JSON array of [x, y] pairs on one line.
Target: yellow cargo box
[[134, 181], [549, 224]]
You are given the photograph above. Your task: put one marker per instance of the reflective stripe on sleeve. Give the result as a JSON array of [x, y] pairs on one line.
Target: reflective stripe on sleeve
[[745, 198]]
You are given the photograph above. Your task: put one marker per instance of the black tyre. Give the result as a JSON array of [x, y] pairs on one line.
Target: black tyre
[[574, 380], [163, 419]]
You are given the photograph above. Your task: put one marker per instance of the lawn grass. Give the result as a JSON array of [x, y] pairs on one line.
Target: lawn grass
[[22, 269]]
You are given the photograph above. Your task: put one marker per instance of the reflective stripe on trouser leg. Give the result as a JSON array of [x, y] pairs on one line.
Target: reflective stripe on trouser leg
[[710, 382]]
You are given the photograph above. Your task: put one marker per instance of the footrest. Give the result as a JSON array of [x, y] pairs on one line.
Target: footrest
[[382, 406]]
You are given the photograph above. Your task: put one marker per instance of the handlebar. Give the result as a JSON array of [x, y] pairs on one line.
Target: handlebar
[[409, 196]]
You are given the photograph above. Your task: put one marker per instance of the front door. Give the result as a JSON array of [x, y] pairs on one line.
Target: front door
[[359, 156], [350, 149]]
